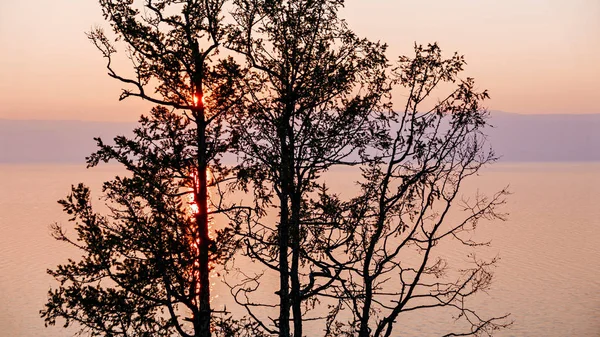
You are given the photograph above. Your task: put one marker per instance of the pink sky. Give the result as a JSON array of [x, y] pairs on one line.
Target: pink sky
[[534, 56]]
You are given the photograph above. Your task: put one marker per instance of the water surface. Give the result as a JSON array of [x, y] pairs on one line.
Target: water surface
[[548, 276]]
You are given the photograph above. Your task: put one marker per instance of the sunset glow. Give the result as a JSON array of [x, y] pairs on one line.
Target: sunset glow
[[192, 203], [381, 168], [193, 210], [533, 58], [195, 98]]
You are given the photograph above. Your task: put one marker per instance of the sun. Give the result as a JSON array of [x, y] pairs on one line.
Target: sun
[[196, 100]]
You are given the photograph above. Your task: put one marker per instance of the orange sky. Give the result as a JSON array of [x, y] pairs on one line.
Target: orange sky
[[534, 56]]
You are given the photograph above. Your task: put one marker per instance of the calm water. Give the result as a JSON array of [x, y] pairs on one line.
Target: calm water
[[548, 276]]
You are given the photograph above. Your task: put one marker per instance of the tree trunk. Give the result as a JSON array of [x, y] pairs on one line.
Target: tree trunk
[[202, 321], [294, 272], [284, 234], [284, 293]]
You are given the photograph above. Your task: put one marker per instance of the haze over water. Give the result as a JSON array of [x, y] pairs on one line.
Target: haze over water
[[548, 275]]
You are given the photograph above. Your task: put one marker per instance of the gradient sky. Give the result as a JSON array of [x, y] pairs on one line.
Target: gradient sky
[[534, 56]]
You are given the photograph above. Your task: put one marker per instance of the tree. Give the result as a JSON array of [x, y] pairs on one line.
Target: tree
[[308, 68], [387, 236], [315, 96], [147, 263], [314, 91]]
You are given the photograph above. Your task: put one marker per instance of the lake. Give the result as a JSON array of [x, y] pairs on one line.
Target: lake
[[548, 276]]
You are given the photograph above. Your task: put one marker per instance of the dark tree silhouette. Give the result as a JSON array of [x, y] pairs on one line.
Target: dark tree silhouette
[[145, 267], [314, 96], [314, 91], [386, 239]]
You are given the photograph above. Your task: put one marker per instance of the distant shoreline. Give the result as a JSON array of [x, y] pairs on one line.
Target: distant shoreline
[[514, 137]]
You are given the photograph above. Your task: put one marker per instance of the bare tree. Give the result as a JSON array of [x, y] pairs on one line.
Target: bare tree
[[386, 238]]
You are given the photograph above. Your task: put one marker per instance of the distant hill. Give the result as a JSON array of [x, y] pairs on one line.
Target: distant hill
[[46, 141], [515, 137], [544, 138]]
